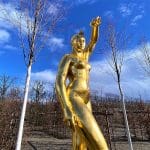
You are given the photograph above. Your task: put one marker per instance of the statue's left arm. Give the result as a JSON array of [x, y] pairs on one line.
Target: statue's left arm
[[94, 34]]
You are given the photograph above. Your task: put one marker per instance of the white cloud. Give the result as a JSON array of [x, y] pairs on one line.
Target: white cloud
[[7, 47], [134, 81], [4, 24], [4, 36], [125, 9], [10, 47], [141, 8], [55, 42], [86, 1], [78, 2], [136, 18], [130, 9], [108, 14], [101, 77], [54, 8], [7, 11], [46, 75], [11, 17]]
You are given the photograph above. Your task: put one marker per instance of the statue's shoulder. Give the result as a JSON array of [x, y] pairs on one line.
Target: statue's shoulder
[[69, 58], [66, 58]]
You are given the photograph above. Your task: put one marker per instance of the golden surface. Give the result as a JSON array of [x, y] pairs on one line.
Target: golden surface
[[73, 92]]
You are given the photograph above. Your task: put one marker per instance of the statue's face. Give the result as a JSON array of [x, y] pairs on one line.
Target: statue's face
[[79, 44]]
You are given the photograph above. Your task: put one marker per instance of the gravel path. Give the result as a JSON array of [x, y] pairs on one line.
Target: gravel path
[[41, 141]]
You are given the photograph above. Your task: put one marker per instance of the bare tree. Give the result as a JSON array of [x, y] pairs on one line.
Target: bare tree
[[14, 93], [38, 91], [145, 56], [53, 94], [116, 43], [5, 83], [35, 20]]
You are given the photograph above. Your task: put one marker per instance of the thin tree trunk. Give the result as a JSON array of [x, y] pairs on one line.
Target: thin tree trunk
[[21, 125], [125, 116]]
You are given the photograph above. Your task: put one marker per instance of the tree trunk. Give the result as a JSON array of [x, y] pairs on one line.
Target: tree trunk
[[20, 132], [125, 116]]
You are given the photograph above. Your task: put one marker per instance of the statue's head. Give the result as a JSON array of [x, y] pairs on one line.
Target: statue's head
[[78, 41]]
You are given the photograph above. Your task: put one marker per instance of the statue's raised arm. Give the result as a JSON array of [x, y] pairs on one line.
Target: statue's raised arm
[[95, 23]]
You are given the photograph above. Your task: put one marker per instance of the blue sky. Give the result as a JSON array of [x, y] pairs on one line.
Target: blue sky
[[129, 15]]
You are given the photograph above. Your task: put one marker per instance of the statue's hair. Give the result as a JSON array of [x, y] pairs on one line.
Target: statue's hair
[[76, 36]]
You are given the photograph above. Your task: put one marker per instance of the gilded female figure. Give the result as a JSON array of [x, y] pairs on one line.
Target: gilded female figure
[[74, 94]]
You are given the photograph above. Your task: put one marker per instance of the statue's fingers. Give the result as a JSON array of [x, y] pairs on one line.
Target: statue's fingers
[[98, 21], [71, 125], [98, 18], [68, 123]]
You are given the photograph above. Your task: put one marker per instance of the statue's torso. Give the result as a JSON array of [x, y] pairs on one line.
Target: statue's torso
[[79, 74]]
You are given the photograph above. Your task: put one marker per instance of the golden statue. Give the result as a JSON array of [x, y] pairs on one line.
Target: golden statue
[[73, 93]]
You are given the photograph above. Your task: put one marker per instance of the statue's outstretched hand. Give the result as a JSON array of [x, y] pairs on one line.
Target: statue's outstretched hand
[[96, 21]]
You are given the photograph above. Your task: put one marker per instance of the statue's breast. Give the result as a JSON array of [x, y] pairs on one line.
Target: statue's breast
[[80, 68]]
